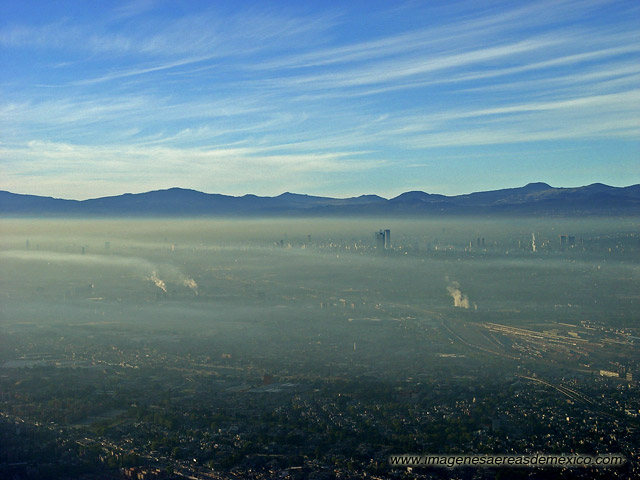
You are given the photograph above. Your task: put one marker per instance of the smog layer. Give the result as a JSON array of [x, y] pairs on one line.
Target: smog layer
[[344, 336]]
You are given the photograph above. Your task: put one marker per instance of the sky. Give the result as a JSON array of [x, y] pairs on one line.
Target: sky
[[324, 98]]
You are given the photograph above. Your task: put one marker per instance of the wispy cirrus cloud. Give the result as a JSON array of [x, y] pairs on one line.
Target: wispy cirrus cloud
[[217, 95], [466, 30], [133, 8], [105, 169], [206, 33], [395, 70], [112, 162], [605, 116]]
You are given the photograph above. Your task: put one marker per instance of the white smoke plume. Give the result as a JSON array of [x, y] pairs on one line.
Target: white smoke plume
[[459, 299], [159, 283], [533, 242], [144, 268], [190, 283]]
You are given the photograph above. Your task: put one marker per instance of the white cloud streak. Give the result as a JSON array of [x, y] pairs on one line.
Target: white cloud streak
[[264, 97]]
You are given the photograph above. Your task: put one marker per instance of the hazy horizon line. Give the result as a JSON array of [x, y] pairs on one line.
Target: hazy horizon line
[[313, 195]]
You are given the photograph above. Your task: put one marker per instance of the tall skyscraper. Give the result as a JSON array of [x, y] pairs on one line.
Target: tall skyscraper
[[563, 240], [387, 238], [380, 240]]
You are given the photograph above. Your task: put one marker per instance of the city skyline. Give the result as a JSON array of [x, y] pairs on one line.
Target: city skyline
[[332, 100]]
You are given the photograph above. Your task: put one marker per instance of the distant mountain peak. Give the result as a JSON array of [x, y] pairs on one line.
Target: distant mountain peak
[[370, 196], [536, 198], [536, 186], [417, 196], [294, 195], [600, 187], [177, 189]]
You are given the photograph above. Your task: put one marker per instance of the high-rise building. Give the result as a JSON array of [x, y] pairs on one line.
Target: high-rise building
[[383, 240], [563, 240]]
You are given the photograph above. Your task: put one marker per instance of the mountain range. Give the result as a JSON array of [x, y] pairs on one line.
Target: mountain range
[[532, 199]]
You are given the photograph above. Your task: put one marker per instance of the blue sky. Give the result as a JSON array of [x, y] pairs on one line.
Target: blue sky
[[325, 98]]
